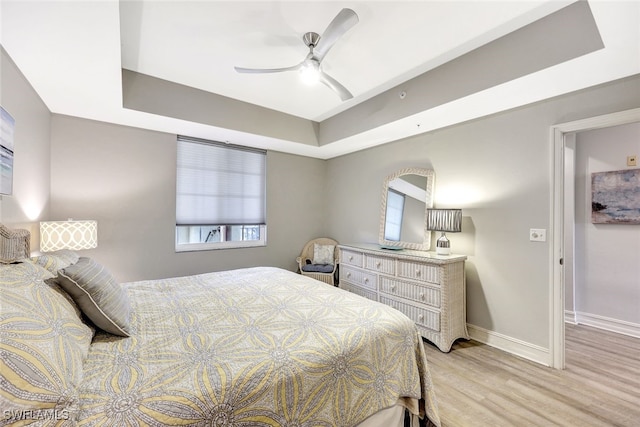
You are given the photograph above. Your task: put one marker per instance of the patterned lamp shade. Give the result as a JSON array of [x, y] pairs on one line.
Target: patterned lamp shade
[[444, 220], [73, 235]]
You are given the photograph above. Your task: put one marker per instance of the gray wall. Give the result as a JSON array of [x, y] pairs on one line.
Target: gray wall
[[498, 169], [607, 255], [29, 202], [125, 179]]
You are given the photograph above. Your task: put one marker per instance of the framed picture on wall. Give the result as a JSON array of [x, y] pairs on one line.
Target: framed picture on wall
[[7, 126], [615, 197]]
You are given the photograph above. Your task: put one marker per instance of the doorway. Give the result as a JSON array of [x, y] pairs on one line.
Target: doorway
[[562, 136]]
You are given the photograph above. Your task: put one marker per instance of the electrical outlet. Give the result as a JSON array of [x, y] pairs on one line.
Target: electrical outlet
[[538, 235], [632, 160]]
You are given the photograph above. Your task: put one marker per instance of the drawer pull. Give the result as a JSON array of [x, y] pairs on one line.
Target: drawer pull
[[349, 274], [421, 295], [378, 264], [421, 317], [350, 257], [366, 280], [418, 273], [393, 287]]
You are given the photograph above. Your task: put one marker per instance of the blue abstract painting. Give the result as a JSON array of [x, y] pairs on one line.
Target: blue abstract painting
[[615, 197]]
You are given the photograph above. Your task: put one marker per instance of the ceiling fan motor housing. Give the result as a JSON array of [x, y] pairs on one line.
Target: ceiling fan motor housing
[[311, 39]]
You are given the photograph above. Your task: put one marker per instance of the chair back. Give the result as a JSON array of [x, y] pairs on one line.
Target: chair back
[[307, 251]]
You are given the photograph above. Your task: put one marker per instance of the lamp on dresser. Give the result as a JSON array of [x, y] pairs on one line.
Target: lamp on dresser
[[72, 235], [444, 220]]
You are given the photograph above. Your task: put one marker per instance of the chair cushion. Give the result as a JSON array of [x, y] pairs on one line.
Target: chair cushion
[[323, 254], [317, 268]]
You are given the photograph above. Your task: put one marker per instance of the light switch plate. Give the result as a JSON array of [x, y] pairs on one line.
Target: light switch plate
[[538, 235]]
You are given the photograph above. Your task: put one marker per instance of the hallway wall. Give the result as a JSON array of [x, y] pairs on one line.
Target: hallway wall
[[607, 256]]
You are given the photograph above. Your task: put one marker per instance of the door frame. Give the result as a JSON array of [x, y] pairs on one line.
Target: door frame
[[556, 292]]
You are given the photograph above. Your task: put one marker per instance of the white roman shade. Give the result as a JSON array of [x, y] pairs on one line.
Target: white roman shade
[[219, 184]]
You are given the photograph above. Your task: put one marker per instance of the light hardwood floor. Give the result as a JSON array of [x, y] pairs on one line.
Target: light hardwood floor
[[477, 385]]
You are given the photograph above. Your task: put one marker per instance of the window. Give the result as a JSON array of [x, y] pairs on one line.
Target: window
[[395, 207], [220, 196]]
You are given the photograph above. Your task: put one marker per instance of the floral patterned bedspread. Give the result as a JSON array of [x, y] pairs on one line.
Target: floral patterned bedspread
[[254, 347]]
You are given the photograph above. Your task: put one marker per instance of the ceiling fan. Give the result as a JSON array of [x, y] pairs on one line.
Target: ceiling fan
[[310, 70]]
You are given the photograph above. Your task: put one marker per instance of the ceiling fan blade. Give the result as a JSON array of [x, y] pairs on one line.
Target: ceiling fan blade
[[266, 70], [333, 84], [343, 21]]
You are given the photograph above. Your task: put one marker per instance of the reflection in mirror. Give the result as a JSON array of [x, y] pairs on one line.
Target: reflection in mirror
[[405, 197]]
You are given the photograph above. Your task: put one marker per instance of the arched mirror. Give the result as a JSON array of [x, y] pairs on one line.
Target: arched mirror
[[406, 195]]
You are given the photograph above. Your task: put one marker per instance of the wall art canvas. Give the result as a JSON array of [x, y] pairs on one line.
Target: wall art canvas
[[615, 197], [7, 126]]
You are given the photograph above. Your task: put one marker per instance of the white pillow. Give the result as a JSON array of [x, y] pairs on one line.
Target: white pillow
[[323, 254]]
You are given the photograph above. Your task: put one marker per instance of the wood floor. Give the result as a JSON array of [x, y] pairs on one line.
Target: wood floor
[[477, 385]]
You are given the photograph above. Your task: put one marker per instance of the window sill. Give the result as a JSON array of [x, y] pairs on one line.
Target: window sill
[[192, 247]]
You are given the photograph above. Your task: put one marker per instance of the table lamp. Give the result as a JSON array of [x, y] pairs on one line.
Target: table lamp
[[444, 220]]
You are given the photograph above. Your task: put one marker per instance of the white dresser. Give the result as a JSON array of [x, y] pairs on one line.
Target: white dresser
[[428, 288]]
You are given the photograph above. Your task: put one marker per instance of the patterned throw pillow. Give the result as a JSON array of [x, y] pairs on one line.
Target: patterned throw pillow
[[323, 254], [54, 261], [43, 343], [98, 294]]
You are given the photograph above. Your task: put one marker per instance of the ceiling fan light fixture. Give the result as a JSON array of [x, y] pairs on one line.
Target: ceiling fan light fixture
[[310, 72]]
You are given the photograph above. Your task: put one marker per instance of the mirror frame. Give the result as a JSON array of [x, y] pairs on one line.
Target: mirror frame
[[426, 239]]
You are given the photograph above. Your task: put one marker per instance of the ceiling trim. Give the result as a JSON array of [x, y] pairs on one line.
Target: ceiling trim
[[559, 37], [164, 98], [554, 39]]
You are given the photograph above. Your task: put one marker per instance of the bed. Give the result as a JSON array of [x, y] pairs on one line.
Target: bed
[[248, 347]]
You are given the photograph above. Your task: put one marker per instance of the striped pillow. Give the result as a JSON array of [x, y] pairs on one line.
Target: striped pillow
[[98, 294]]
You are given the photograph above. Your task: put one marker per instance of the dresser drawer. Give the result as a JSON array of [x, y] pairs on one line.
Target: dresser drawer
[[419, 271], [380, 264], [359, 277], [372, 295], [420, 316], [412, 291], [351, 257]]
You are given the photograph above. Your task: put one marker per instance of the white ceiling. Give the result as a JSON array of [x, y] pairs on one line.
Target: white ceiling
[[72, 53]]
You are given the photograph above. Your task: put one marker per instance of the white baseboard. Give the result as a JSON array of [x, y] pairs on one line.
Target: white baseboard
[[570, 317], [540, 354], [608, 324], [511, 345]]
